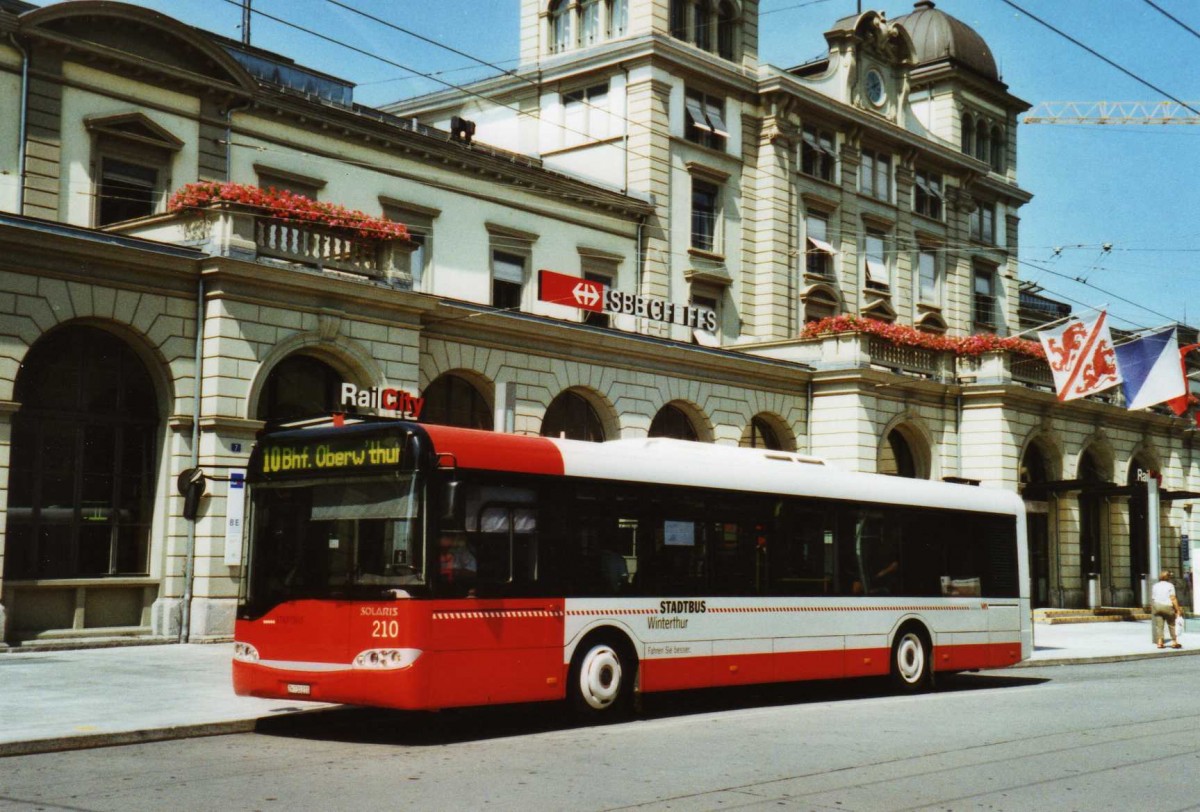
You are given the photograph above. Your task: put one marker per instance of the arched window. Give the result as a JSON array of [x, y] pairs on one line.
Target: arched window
[[452, 400], [560, 26], [82, 470], [590, 26], [763, 434], [998, 145], [672, 422], [679, 19], [726, 30], [570, 415], [298, 388], [968, 133], [618, 18], [703, 24], [896, 457], [982, 144]]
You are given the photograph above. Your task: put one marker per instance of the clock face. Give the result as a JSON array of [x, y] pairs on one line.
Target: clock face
[[875, 91]]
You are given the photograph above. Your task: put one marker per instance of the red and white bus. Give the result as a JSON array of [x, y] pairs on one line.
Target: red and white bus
[[419, 566]]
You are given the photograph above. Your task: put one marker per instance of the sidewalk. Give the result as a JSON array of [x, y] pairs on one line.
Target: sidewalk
[[63, 700]]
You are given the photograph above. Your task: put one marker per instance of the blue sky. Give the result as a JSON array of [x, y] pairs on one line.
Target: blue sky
[[1134, 187]]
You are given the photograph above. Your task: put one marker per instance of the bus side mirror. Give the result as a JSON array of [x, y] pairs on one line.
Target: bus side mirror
[[451, 502], [192, 484]]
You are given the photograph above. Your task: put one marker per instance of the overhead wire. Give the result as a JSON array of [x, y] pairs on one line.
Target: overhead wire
[[791, 7], [1101, 56], [1172, 18]]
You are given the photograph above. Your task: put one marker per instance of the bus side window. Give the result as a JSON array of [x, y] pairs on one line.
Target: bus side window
[[801, 552], [505, 546]]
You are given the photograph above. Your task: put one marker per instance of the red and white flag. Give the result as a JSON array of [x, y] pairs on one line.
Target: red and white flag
[[1081, 357]]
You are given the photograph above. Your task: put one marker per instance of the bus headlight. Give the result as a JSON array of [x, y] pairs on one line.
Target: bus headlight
[[244, 652], [386, 659]]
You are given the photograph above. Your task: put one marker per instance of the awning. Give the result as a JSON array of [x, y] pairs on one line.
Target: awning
[[821, 245]]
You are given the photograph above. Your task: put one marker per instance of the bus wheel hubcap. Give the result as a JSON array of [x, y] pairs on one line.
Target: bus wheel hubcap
[[600, 677], [910, 658]]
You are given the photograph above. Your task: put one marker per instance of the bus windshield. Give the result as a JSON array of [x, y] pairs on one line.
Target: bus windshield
[[334, 538]]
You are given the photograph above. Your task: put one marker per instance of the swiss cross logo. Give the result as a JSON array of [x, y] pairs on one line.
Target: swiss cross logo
[[571, 291], [1081, 357], [586, 294]]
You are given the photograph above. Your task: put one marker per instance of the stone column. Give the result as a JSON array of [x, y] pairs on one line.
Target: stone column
[[771, 268], [649, 170]]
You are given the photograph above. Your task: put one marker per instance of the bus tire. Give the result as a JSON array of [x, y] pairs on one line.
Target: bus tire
[[600, 681], [912, 659]]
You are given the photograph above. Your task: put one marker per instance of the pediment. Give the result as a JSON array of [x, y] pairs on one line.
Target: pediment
[[145, 40], [134, 127]]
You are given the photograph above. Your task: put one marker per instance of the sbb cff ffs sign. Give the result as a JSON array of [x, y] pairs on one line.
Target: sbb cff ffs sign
[[572, 291]]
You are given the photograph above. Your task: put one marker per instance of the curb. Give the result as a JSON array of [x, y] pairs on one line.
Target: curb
[[1105, 658], [117, 738]]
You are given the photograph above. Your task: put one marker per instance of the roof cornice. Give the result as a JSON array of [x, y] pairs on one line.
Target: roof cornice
[[953, 71]]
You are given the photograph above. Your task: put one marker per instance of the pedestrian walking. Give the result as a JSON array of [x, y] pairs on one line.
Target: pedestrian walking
[[1165, 608]]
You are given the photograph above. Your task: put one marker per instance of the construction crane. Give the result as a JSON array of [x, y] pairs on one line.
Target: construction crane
[[1114, 113]]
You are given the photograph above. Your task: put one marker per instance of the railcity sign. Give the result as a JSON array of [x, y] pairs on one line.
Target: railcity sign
[[398, 401], [587, 294]]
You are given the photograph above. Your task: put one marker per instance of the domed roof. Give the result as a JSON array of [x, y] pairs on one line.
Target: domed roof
[[937, 36]]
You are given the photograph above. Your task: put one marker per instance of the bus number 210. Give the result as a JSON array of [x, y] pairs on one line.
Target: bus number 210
[[385, 628]]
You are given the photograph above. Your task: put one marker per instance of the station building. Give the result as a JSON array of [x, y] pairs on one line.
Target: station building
[[718, 207]]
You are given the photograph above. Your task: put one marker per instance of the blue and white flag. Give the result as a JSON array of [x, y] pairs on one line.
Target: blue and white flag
[[1150, 369]]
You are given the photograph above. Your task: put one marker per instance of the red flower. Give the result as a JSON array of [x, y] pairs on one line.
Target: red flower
[[906, 336], [286, 205]]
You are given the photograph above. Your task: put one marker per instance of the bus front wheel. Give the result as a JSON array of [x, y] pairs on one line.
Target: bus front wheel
[[601, 679], [911, 660]]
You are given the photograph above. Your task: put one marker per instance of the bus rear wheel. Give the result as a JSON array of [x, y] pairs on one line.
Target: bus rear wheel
[[911, 660], [600, 682]]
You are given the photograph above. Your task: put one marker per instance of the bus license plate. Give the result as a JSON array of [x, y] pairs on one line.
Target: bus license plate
[[299, 689]]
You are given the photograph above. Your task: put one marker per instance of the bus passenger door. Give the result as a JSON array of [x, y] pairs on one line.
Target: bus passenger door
[[495, 640]]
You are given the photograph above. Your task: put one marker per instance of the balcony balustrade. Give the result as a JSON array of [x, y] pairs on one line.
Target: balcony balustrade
[[242, 233]]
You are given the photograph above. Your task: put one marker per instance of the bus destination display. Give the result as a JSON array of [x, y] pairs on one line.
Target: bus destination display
[[331, 454]]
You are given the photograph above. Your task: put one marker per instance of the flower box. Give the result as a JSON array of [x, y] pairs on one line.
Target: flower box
[[268, 223]]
